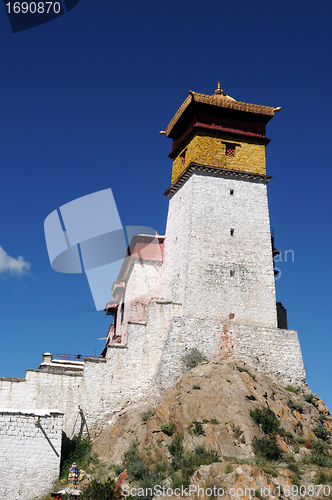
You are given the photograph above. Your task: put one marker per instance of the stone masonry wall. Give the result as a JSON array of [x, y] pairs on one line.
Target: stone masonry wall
[[30, 444], [272, 351], [215, 274]]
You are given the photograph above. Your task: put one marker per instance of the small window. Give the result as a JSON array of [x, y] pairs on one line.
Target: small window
[[230, 149], [231, 191], [231, 315], [231, 273], [122, 313], [183, 156], [232, 232]]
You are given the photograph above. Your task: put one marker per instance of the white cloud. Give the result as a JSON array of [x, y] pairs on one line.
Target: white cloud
[[10, 264]]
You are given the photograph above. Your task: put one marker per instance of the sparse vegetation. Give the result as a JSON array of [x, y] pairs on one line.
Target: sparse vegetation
[[185, 462], [244, 369], [291, 388], [146, 415], [192, 358], [214, 421], [310, 398], [168, 428], [196, 387], [267, 420], [322, 478], [76, 450], [196, 428], [295, 405], [228, 469], [135, 464], [267, 448], [118, 469], [319, 454], [322, 432], [101, 491]]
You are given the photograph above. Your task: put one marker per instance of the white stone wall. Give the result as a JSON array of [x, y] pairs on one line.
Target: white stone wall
[[272, 351], [65, 392], [30, 449], [200, 252]]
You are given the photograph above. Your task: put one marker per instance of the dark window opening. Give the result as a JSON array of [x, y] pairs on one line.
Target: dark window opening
[[122, 312], [183, 156], [230, 150], [231, 315], [231, 273], [231, 191], [232, 232]]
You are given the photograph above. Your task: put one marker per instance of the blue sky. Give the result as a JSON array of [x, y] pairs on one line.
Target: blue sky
[[82, 101]]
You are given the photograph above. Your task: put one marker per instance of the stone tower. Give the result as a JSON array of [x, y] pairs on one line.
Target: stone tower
[[218, 259]]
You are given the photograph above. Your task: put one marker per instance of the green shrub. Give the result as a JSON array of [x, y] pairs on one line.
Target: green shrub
[[293, 467], [291, 388], [193, 358], [266, 419], [268, 469], [176, 450], [202, 456], [321, 478], [168, 428], [228, 469], [101, 491], [146, 415], [196, 387], [76, 450], [318, 454], [295, 405], [267, 448], [214, 421], [310, 398], [322, 432], [322, 418], [136, 466], [196, 428], [244, 369], [237, 431], [190, 460], [118, 469], [289, 435]]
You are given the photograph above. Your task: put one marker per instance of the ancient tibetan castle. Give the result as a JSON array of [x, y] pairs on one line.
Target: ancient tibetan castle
[[207, 284]]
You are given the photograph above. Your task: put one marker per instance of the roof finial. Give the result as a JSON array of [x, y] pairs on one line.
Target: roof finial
[[219, 90]]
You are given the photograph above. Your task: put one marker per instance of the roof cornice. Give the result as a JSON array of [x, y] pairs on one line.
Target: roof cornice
[[217, 171]]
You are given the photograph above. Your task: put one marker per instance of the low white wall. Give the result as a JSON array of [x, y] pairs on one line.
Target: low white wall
[[30, 450]]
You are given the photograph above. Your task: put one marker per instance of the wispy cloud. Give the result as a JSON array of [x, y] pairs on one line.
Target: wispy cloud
[[9, 264]]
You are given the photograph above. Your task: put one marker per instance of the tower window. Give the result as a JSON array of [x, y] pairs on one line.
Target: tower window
[[230, 149], [231, 315], [231, 191], [122, 312], [183, 156], [232, 232], [231, 273]]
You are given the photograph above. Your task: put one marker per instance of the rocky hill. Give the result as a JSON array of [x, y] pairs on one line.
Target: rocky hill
[[228, 428]]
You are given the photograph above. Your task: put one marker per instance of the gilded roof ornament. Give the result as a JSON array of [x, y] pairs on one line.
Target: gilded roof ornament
[[219, 90]]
